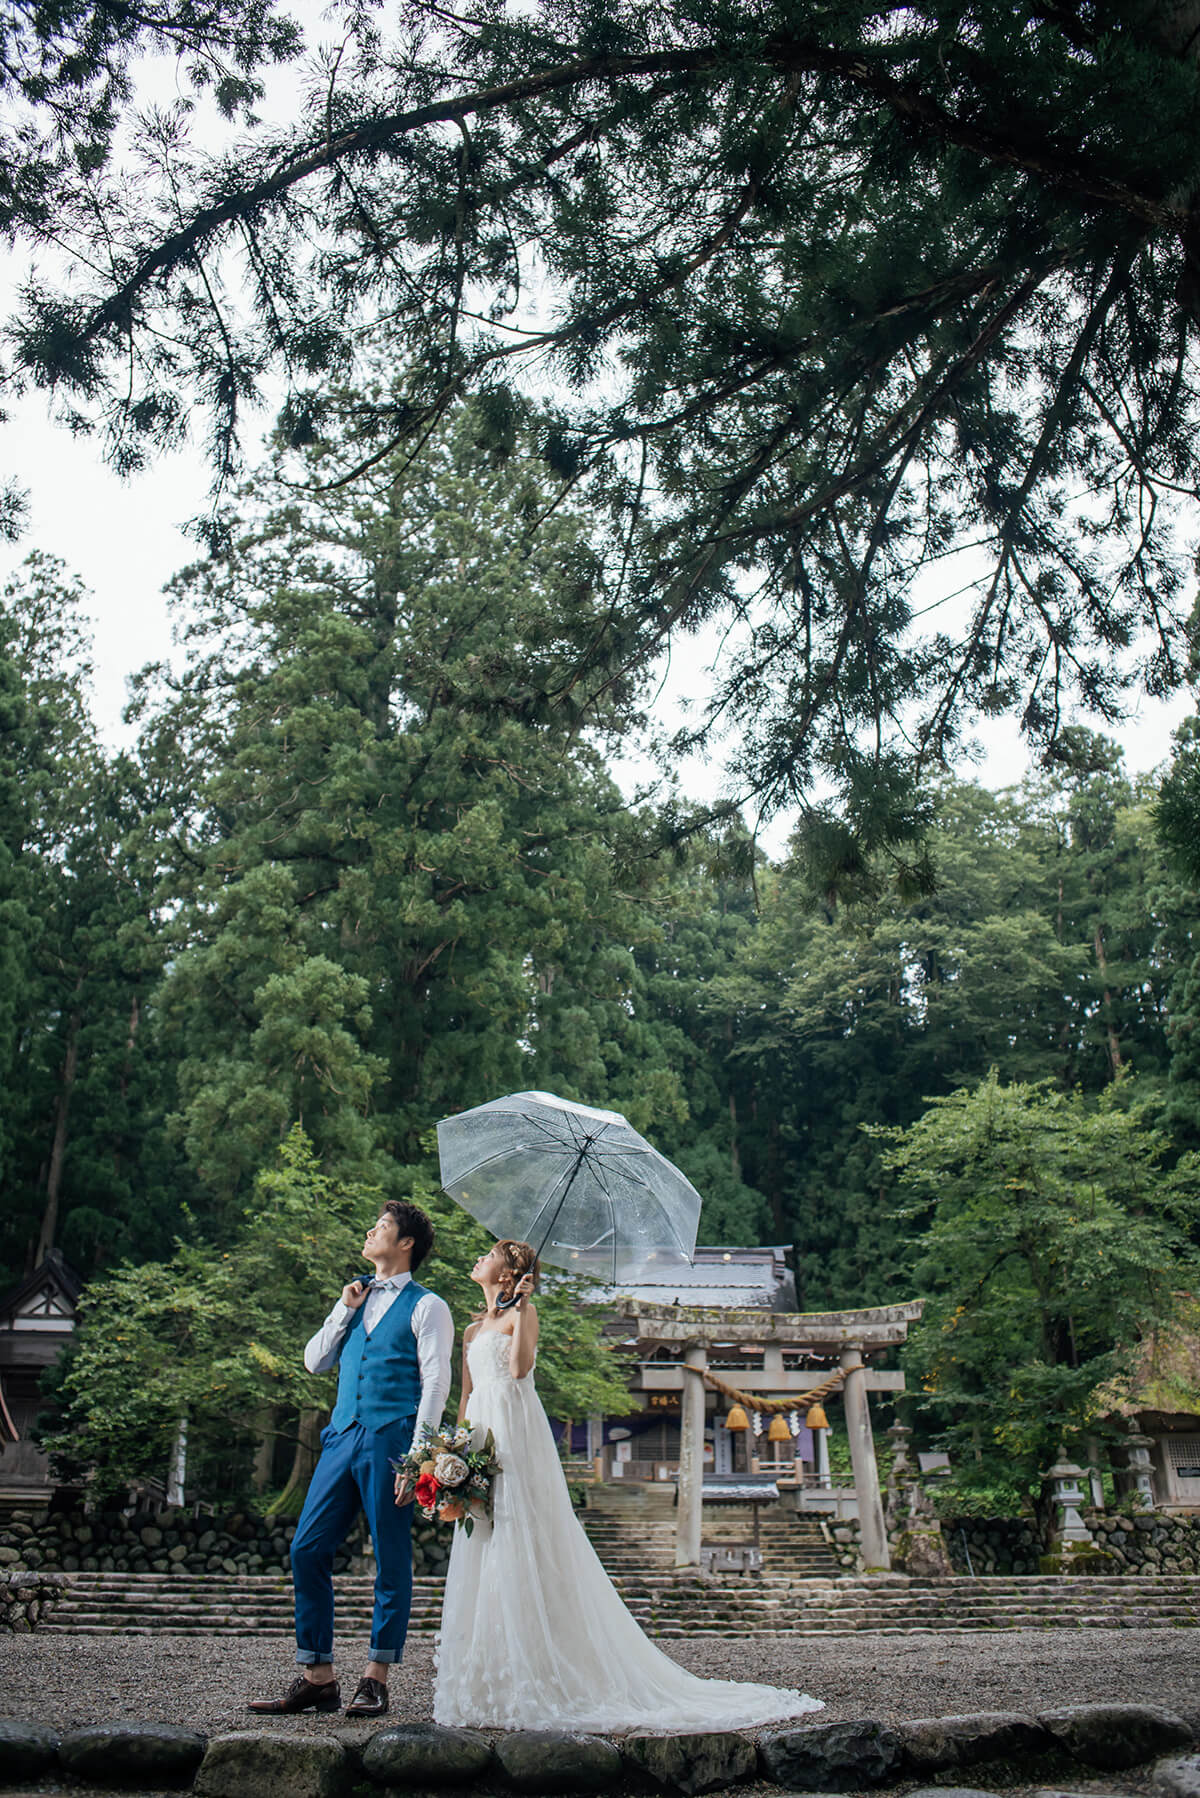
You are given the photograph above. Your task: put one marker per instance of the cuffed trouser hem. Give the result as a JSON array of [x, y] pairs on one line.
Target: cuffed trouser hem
[[384, 1655], [309, 1657]]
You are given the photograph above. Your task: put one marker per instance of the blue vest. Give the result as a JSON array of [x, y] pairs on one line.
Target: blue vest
[[379, 1376]]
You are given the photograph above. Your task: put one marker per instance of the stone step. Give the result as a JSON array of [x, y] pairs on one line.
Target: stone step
[[111, 1604]]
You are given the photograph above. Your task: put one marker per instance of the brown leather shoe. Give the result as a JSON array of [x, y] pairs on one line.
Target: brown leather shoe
[[302, 1695], [370, 1700]]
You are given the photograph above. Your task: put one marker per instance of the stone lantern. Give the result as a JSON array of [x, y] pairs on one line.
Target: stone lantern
[[915, 1532], [1135, 1480], [1066, 1495], [1072, 1547]]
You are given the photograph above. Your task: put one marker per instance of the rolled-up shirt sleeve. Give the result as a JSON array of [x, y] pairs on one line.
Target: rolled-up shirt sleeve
[[433, 1328], [321, 1350]]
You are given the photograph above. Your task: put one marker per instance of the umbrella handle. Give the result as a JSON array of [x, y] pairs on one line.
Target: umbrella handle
[[507, 1304]]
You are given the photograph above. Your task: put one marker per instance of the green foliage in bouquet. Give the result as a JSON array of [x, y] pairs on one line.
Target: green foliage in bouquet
[[451, 1481]]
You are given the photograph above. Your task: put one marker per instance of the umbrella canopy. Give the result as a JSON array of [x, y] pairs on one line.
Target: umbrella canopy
[[581, 1185]]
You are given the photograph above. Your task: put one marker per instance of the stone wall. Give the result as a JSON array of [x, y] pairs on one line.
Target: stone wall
[[994, 1545], [844, 1538], [1156, 1543], [25, 1598], [162, 1541]]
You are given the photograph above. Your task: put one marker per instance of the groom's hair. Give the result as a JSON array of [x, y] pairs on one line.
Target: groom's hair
[[411, 1221]]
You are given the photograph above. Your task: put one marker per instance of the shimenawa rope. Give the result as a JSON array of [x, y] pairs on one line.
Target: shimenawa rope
[[769, 1405]]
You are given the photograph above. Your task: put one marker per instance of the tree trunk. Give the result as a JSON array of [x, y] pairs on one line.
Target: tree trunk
[[1114, 1046], [735, 1154], [308, 1447], [264, 1451], [49, 1229], [135, 1018]]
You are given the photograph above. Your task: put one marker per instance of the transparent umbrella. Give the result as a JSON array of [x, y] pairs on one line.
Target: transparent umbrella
[[580, 1185]]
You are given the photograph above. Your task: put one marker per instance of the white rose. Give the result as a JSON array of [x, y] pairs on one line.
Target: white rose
[[450, 1470]]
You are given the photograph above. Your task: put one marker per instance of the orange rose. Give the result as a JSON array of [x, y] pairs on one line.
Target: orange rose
[[452, 1510]]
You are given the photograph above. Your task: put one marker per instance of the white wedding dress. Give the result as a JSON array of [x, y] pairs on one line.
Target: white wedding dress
[[534, 1634]]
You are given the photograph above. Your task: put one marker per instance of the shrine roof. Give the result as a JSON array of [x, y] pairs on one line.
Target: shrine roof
[[719, 1278], [869, 1327], [51, 1292]]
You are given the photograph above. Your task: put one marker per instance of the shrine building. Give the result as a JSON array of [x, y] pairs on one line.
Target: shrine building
[[37, 1320], [728, 1379]]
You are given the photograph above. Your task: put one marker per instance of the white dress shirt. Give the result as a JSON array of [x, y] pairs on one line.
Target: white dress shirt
[[432, 1325]]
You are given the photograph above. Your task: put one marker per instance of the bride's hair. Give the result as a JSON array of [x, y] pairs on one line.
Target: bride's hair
[[519, 1260]]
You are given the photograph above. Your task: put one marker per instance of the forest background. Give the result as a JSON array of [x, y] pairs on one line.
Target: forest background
[[357, 872]]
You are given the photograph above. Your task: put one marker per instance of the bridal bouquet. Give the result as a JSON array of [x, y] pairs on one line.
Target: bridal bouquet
[[452, 1481]]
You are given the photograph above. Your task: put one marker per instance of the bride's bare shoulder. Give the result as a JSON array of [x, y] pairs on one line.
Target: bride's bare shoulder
[[471, 1332]]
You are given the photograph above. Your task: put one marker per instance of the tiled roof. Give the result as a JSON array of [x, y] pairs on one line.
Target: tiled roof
[[740, 1279]]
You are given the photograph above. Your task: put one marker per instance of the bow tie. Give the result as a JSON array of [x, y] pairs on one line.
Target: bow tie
[[383, 1285]]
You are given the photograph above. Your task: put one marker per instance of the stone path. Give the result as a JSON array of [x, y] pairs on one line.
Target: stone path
[[72, 1681]]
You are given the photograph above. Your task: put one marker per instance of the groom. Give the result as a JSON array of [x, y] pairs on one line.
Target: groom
[[391, 1341]]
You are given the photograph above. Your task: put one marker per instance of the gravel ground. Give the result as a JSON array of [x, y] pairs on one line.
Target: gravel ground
[[72, 1680]]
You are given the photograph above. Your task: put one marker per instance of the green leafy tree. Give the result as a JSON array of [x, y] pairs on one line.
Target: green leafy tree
[[865, 286], [16, 922], [1177, 821], [88, 1169], [1052, 1237], [215, 1337], [403, 881], [1046, 946]]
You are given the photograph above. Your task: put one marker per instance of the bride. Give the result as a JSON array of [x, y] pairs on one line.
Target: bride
[[534, 1635]]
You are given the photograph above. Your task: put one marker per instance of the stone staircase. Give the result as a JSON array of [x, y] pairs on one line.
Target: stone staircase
[[791, 1545], [633, 1532], [664, 1602]]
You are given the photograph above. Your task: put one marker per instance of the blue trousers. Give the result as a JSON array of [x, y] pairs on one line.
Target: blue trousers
[[354, 1473]]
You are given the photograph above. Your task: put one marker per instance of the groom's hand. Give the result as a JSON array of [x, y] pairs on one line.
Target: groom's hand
[[354, 1293]]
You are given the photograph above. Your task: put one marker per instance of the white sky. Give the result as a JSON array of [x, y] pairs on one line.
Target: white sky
[[125, 539]]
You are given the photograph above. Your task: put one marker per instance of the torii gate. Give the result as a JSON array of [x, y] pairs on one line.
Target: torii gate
[[847, 1336]]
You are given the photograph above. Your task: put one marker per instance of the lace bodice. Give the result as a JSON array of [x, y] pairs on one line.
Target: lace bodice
[[488, 1356]]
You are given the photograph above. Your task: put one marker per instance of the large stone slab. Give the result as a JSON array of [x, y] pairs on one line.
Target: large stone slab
[[1066, 1792], [138, 1754], [411, 1754], [1112, 1736], [537, 1760], [1178, 1776], [832, 1757], [692, 1763], [26, 1749], [935, 1744], [950, 1792], [263, 1764]]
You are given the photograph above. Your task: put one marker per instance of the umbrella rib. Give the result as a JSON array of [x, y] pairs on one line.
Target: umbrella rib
[[620, 1169], [505, 1155], [597, 1173], [527, 1117]]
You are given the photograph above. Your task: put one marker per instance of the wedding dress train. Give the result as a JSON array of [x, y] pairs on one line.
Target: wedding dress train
[[534, 1634]]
